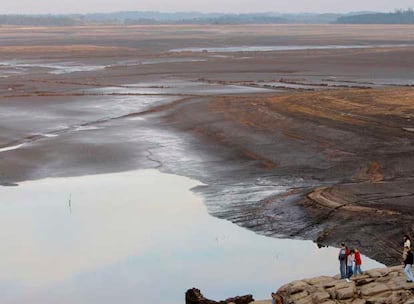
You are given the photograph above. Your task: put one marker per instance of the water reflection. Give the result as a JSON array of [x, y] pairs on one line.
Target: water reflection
[[57, 68], [269, 48], [136, 237]]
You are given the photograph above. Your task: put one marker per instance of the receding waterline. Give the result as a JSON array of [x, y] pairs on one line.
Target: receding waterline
[[140, 236], [10, 148], [267, 48]]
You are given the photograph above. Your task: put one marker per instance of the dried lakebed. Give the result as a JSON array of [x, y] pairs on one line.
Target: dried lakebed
[[258, 159]]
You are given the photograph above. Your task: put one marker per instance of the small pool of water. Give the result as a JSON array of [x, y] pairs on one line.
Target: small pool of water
[[179, 87], [136, 237], [57, 68], [267, 48], [158, 61]]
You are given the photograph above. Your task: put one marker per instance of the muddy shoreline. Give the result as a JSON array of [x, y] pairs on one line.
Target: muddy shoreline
[[361, 160], [312, 144]]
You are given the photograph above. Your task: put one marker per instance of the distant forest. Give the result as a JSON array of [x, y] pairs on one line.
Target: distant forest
[[143, 18], [225, 19], [42, 20], [399, 17]]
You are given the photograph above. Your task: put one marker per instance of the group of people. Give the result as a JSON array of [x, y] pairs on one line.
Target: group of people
[[349, 262]]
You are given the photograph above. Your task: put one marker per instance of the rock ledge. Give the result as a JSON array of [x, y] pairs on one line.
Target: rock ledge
[[377, 286]]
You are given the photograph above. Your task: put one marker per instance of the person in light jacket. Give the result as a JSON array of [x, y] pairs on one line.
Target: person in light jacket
[[350, 261]]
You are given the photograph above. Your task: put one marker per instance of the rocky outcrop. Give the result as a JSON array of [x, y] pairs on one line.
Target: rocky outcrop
[[194, 296], [378, 286]]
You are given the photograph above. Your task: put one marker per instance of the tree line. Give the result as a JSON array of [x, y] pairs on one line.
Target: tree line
[[398, 17], [133, 18]]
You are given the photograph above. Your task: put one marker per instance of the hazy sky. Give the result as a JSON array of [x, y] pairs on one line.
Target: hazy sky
[[236, 6]]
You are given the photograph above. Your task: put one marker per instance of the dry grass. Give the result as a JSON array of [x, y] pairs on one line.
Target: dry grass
[[382, 113], [357, 107]]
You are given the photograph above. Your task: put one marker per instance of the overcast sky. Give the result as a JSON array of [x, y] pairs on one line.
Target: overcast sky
[[235, 6]]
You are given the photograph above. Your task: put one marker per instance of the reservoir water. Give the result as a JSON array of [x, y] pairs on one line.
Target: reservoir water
[[137, 237], [270, 48]]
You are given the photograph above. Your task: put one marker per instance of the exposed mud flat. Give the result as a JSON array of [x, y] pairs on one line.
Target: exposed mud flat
[[354, 143], [240, 123]]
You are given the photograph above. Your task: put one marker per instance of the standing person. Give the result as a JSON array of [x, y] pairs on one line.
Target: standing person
[[350, 263], [407, 245], [342, 260], [347, 253], [408, 262], [358, 262]]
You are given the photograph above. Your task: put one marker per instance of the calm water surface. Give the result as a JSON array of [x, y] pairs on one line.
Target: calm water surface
[[267, 48], [136, 237]]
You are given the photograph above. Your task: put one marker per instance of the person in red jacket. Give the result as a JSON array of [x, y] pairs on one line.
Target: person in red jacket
[[358, 262], [347, 253]]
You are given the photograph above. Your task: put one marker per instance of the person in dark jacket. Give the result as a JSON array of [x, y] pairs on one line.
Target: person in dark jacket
[[342, 260], [408, 262]]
